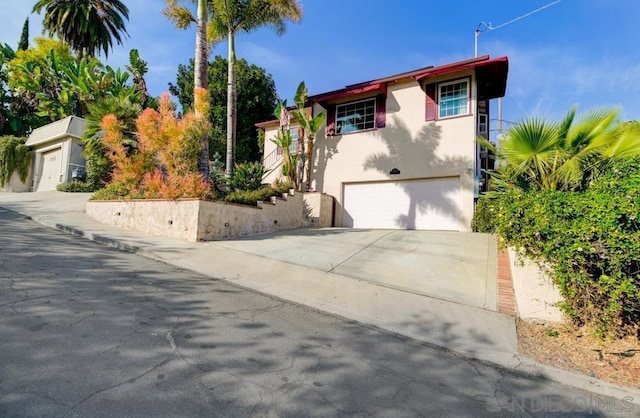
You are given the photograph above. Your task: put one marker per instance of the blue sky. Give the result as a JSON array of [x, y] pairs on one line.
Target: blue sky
[[580, 52]]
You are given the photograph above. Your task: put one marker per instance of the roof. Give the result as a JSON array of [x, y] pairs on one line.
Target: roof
[[496, 69], [491, 78], [71, 126]]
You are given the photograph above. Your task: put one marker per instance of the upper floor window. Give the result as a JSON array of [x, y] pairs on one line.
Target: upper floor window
[[294, 132], [483, 124], [356, 116], [453, 98]]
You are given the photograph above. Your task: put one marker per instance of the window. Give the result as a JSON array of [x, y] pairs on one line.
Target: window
[[293, 148], [482, 124], [453, 99], [356, 116]]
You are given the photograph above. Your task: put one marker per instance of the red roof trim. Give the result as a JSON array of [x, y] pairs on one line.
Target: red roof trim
[[458, 66], [337, 94]]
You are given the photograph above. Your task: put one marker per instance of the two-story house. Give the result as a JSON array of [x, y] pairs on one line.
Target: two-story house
[[400, 152]]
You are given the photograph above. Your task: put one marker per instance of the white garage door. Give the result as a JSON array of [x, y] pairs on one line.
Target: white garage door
[[50, 170], [432, 204]]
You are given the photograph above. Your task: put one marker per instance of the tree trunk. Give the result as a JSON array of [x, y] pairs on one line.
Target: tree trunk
[[231, 106], [201, 80], [309, 157], [200, 77]]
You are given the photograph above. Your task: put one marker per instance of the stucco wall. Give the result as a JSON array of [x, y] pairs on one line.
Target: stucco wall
[[196, 220], [318, 210], [16, 185], [536, 295]]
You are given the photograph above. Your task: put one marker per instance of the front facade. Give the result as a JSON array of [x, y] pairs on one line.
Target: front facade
[[401, 152], [57, 153]]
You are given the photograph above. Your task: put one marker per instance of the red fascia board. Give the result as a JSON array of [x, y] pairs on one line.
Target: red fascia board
[[462, 65], [337, 94], [267, 124]]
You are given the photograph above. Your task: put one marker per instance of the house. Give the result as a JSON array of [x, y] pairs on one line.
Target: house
[[57, 152], [400, 152]]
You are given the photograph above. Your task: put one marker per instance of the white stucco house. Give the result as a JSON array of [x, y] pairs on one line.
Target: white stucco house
[[400, 152], [57, 152]]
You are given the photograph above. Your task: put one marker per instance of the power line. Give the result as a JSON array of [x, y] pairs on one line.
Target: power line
[[482, 27], [490, 27]]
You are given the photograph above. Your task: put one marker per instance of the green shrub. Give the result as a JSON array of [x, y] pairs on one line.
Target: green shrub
[[484, 218], [216, 174], [76, 187], [114, 191], [14, 156], [590, 240], [247, 176], [282, 186], [251, 197]]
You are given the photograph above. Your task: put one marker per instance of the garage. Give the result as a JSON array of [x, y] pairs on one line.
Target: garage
[[427, 204], [50, 171]]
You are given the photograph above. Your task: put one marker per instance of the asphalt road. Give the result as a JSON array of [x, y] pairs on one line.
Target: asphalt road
[[89, 331]]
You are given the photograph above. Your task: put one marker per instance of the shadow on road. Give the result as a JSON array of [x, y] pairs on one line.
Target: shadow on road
[[86, 330]]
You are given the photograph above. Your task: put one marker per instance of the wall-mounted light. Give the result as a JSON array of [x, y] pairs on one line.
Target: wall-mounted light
[[394, 171]]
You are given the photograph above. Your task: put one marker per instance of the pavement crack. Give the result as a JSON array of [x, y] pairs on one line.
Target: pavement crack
[[82, 319], [172, 342], [28, 299], [119, 384], [357, 252]]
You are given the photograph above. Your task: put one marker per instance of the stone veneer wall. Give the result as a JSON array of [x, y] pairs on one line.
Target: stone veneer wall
[[198, 220]]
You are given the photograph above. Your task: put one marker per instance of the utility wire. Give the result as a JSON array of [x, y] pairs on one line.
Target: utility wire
[[483, 26]]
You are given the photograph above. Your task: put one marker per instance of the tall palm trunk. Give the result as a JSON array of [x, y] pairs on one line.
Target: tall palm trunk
[[201, 80], [231, 106]]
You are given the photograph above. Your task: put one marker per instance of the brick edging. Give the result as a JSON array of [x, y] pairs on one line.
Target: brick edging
[[506, 296]]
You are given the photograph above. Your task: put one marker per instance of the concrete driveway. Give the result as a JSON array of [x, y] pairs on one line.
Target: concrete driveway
[[453, 266]]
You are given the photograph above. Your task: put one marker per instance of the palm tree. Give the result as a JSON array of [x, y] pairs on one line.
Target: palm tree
[[232, 16], [310, 126], [182, 18], [88, 26], [541, 155]]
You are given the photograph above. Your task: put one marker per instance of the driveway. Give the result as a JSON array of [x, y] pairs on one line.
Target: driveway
[[454, 266]]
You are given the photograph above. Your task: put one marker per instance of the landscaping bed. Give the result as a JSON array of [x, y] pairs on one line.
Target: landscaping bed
[[578, 350]]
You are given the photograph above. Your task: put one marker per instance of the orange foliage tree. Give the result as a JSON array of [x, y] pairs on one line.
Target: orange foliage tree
[[165, 163]]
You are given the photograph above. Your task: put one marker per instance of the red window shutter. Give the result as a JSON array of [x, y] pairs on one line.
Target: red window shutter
[[330, 129], [381, 111], [431, 108]]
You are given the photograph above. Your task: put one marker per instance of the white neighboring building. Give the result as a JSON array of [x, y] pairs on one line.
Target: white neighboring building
[[57, 152]]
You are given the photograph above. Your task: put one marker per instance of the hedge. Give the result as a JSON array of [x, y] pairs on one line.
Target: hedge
[[590, 239]]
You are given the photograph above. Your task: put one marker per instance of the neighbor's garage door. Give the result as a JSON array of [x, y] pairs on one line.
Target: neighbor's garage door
[[432, 204], [50, 170]]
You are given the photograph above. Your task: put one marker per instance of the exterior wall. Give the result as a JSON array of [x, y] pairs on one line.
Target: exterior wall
[[419, 149], [16, 185], [318, 210], [196, 220], [76, 160], [71, 157], [536, 296], [270, 154]]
